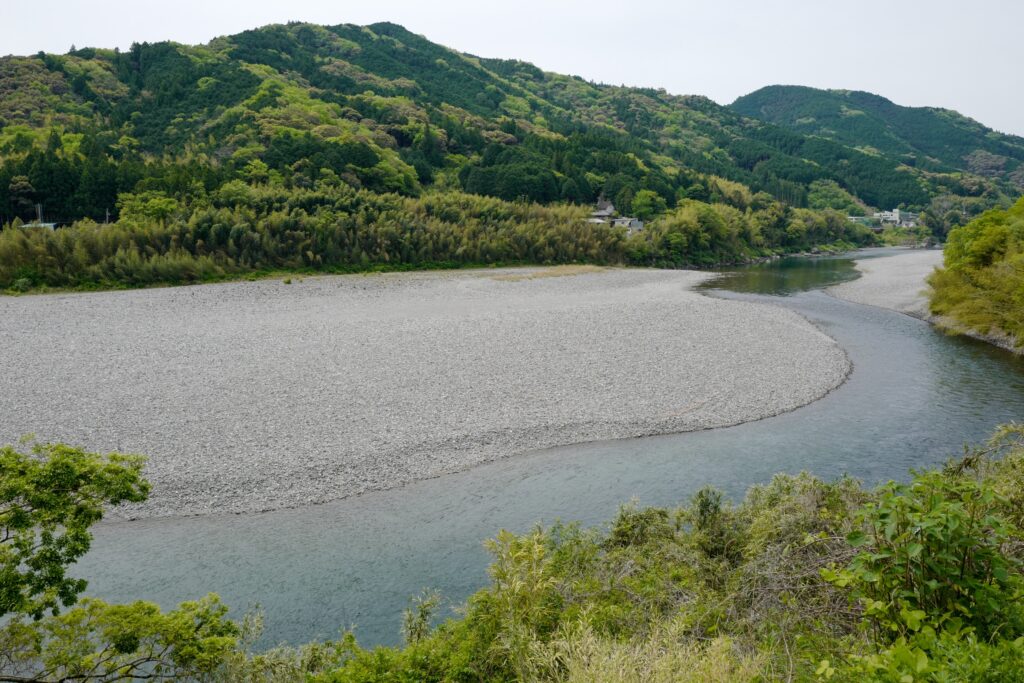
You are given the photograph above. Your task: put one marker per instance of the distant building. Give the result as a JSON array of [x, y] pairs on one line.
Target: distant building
[[38, 222], [903, 219], [604, 214], [604, 210], [630, 224]]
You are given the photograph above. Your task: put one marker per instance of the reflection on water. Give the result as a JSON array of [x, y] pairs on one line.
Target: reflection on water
[[785, 276], [793, 274], [914, 397]]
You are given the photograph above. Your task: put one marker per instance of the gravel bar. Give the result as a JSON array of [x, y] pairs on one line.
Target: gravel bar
[[895, 282], [251, 396]]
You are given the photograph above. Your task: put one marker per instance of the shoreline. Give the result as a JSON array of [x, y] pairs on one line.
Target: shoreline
[[113, 519], [952, 327], [251, 397], [898, 283]]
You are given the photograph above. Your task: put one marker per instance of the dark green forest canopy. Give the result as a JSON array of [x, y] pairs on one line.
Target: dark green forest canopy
[[925, 137], [389, 111]]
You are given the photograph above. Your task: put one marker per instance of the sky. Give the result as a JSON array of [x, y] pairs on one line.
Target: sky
[[967, 56]]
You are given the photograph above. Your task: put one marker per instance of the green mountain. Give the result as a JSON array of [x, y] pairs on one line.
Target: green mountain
[[924, 137], [387, 110]]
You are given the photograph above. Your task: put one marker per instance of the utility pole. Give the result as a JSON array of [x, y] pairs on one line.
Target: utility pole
[[39, 214], [106, 221]]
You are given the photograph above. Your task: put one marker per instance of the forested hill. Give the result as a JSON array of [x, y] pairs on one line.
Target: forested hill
[[383, 109], [925, 137]]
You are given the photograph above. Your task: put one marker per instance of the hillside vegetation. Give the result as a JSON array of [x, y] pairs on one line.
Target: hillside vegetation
[[981, 287], [980, 167], [252, 228], [287, 119], [396, 112], [804, 580], [924, 137]]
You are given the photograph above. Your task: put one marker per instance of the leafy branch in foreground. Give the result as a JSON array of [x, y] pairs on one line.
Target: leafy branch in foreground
[[96, 641], [48, 500]]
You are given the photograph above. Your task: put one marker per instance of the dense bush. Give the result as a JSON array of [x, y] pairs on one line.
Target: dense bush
[[804, 580], [981, 287], [244, 228]]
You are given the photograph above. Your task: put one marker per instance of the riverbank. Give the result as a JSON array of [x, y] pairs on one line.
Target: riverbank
[[897, 282], [253, 396]]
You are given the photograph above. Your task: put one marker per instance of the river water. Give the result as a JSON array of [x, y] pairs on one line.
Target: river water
[[914, 397]]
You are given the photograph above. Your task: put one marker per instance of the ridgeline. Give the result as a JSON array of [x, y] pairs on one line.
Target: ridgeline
[[344, 148]]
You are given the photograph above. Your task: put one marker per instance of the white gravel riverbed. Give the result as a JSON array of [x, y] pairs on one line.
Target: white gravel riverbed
[[899, 283], [251, 396], [895, 282]]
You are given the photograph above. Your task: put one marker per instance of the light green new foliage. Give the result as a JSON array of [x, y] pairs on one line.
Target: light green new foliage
[[49, 498], [282, 664], [981, 288], [96, 641], [522, 594], [416, 619]]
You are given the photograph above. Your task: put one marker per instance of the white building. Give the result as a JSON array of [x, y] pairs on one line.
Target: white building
[[904, 219]]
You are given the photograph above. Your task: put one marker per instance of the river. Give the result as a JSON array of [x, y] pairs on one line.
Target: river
[[914, 397]]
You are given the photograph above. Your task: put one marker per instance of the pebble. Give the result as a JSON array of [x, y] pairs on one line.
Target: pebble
[[252, 396]]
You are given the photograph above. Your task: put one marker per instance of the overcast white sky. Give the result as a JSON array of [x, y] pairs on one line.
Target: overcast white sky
[[964, 55]]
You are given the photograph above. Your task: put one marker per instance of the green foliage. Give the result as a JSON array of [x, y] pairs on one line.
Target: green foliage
[[919, 136], [282, 664], [927, 589], [48, 500], [897, 236], [416, 619], [666, 655], [717, 533], [146, 206], [981, 287], [933, 551], [242, 228], [382, 109], [647, 204], [827, 194], [803, 580], [696, 233], [95, 641]]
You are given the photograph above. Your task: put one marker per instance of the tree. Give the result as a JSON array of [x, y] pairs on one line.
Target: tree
[[21, 194], [48, 500], [149, 205], [647, 204], [430, 145], [97, 641], [256, 172]]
